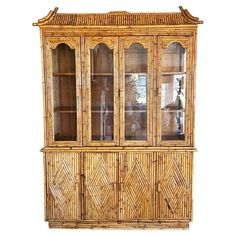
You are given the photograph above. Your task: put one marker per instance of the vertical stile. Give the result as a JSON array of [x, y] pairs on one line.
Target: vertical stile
[[78, 91], [154, 91], [84, 86]]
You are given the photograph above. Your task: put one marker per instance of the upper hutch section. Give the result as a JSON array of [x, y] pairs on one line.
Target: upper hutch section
[[119, 79]]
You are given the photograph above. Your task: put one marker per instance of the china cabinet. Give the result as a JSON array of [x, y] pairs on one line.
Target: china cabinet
[[119, 99]]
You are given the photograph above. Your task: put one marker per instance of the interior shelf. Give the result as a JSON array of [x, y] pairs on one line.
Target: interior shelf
[[102, 111], [173, 111], [65, 138], [102, 74], [139, 73], [174, 73], [135, 110], [63, 74], [172, 137], [65, 110]]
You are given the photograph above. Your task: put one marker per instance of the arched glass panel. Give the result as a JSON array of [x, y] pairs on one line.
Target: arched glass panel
[[64, 93], [136, 75], [173, 92], [102, 93]]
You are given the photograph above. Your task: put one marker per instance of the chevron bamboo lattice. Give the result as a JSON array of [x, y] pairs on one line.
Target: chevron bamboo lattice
[[175, 185], [100, 188], [99, 185], [63, 185], [137, 185]]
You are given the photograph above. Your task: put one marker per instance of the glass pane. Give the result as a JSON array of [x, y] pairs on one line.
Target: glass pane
[[136, 75], [102, 86], [173, 93], [64, 93], [174, 59]]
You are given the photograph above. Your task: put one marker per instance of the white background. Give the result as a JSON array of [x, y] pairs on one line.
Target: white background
[[21, 114]]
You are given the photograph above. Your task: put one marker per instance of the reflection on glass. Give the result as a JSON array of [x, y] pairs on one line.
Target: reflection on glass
[[173, 92], [102, 104], [136, 92], [174, 58], [64, 93]]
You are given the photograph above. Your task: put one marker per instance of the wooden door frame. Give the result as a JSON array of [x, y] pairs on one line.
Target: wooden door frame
[[90, 43], [49, 44], [186, 43], [147, 43]]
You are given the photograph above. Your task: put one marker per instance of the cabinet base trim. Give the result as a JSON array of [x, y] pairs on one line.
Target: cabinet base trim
[[121, 225]]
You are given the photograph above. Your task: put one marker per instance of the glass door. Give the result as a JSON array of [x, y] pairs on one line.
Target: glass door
[[136, 90], [102, 92], [174, 73], [63, 93]]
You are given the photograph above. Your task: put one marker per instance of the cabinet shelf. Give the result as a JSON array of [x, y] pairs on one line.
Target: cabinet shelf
[[171, 137], [63, 74], [136, 111], [65, 110], [102, 74], [64, 138], [137, 73], [101, 111], [173, 111], [173, 73]]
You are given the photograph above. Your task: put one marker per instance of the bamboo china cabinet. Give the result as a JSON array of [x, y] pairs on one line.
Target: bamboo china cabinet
[[119, 94]]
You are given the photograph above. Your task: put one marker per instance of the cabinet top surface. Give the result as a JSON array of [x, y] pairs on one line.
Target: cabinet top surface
[[118, 18]]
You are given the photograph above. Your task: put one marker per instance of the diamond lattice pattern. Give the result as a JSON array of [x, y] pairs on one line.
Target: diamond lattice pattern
[[136, 185], [174, 185], [63, 185], [99, 185]]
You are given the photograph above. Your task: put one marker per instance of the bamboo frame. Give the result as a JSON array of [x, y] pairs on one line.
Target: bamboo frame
[[125, 43], [163, 43], [90, 43], [121, 225], [134, 177], [73, 43]]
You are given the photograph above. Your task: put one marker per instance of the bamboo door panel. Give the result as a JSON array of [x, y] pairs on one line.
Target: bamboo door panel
[[136, 85], [174, 199], [62, 186], [136, 195], [100, 186]]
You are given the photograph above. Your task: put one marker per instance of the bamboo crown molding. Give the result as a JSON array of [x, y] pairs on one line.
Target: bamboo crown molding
[[118, 18]]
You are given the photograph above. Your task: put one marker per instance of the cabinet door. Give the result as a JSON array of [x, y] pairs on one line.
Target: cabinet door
[[136, 61], [62, 186], [174, 198], [101, 92], [136, 196], [63, 92], [176, 105], [100, 200]]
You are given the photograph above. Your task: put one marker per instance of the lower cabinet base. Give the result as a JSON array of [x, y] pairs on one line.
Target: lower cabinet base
[[120, 225], [125, 189]]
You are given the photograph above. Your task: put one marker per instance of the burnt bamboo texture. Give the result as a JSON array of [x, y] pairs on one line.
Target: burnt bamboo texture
[[63, 194], [107, 174]]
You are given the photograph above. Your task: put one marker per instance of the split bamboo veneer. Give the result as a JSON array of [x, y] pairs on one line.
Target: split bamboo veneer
[[119, 102]]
